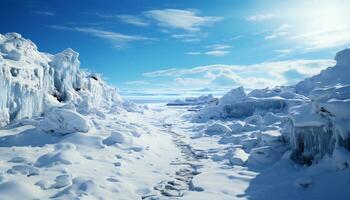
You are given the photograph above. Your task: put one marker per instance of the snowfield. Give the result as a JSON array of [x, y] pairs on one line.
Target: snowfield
[[66, 134]]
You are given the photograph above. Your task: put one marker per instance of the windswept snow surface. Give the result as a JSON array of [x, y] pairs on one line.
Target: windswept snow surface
[[66, 134]]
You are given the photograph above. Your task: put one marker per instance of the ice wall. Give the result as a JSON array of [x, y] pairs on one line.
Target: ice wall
[[32, 82], [322, 125]]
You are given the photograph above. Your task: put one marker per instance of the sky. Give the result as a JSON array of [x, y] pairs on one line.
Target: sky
[[163, 45]]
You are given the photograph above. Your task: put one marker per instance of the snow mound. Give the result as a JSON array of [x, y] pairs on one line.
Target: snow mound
[[64, 121], [84, 188], [116, 138], [19, 190], [64, 153], [239, 157], [218, 129]]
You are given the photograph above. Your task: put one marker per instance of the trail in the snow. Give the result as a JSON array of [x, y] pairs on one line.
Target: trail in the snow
[[181, 181]]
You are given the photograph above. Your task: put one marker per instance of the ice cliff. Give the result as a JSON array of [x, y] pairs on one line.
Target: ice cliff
[[32, 82], [321, 126]]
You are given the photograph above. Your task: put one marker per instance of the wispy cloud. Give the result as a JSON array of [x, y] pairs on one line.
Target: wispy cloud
[[261, 75], [118, 39], [283, 52], [193, 53], [188, 20], [327, 38], [237, 37], [47, 13], [217, 53], [219, 46], [259, 17], [129, 19], [215, 50], [280, 31], [190, 37]]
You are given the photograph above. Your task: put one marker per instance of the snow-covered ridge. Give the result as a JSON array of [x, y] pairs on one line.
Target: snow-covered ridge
[[313, 116], [32, 82], [328, 77], [237, 104]]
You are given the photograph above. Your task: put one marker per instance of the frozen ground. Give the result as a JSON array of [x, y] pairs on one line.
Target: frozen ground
[[162, 158]]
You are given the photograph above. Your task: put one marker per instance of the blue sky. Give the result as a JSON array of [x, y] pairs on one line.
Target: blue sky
[[187, 44]]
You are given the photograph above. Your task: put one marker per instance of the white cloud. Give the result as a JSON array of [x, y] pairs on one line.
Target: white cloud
[[217, 53], [237, 37], [269, 37], [259, 17], [190, 37], [181, 19], [130, 19], [216, 50], [326, 38], [138, 82], [47, 13], [219, 46], [283, 52], [280, 31], [261, 75], [118, 39], [193, 53]]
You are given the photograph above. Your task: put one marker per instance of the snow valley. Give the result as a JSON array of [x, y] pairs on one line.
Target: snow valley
[[66, 134]]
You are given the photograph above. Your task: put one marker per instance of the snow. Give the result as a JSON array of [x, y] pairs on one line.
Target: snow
[[32, 82], [66, 134], [233, 96], [239, 157], [236, 104], [328, 77], [218, 129], [64, 121]]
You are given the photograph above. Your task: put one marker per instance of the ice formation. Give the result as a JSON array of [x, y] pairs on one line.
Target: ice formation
[[32, 82], [319, 126], [313, 116], [238, 104], [328, 77]]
